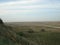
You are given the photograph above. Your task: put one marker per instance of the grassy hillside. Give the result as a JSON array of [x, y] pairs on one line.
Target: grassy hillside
[[43, 38], [11, 34]]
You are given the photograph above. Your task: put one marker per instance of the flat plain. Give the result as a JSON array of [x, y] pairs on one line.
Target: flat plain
[[37, 26]]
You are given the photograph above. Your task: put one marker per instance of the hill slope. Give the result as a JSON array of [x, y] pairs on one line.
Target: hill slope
[[10, 37]]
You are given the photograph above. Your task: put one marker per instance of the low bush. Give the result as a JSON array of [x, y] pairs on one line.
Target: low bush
[[42, 30], [21, 33], [30, 31]]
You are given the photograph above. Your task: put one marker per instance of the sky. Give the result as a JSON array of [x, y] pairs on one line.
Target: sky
[[29, 10]]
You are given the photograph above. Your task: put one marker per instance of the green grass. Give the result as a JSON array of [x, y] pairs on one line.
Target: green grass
[[44, 38], [28, 36], [48, 37], [39, 38], [6, 41]]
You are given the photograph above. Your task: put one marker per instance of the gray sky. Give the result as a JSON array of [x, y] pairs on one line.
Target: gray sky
[[30, 10]]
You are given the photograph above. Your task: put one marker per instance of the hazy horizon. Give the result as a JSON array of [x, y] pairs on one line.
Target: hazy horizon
[[29, 10]]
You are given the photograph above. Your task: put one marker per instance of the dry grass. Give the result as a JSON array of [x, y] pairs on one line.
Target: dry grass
[[29, 34]]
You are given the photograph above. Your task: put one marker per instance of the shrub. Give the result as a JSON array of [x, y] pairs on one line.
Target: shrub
[[1, 22], [42, 30], [30, 31], [21, 33]]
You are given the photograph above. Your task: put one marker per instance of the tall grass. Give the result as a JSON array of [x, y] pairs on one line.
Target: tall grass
[[28, 37], [44, 38]]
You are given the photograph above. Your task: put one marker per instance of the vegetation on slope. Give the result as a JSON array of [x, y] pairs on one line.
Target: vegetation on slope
[[8, 36]]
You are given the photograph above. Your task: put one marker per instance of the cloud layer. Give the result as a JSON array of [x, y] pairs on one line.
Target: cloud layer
[[33, 9]]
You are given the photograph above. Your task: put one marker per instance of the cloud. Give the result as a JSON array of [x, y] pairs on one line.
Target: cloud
[[24, 8], [4, 12], [27, 5], [5, 7]]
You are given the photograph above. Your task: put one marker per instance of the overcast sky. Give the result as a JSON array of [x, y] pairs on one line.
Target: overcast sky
[[29, 10]]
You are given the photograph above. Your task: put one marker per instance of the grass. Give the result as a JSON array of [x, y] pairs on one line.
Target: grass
[[30, 35], [40, 38], [48, 37], [6, 41], [44, 38]]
